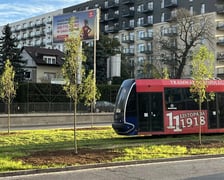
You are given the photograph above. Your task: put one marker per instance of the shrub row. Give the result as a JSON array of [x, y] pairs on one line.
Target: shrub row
[[42, 92]]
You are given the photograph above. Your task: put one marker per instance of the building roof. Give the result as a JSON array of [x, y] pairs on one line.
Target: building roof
[[37, 54]]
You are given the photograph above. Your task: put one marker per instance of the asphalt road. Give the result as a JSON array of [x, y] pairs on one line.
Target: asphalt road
[[193, 169]]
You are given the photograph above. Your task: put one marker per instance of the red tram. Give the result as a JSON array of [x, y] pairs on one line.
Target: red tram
[[158, 106]]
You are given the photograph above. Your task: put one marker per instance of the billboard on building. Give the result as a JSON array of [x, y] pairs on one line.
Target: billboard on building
[[87, 22]]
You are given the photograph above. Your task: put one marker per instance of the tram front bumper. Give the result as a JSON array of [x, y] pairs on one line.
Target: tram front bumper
[[124, 129]]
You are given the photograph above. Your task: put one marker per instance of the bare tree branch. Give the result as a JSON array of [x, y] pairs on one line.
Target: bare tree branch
[[191, 31]]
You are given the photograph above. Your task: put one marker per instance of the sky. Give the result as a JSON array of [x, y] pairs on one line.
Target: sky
[[16, 10]]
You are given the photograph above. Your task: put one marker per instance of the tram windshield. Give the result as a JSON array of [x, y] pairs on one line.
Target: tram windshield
[[121, 99], [122, 96]]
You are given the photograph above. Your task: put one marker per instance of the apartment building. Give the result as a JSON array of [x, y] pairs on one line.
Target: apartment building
[[135, 23], [35, 31]]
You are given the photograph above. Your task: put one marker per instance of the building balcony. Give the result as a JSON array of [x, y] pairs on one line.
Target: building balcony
[[171, 4], [146, 50], [170, 34], [147, 10], [128, 27], [220, 72], [24, 28], [147, 24], [220, 26], [49, 31], [48, 42], [29, 36], [29, 27], [112, 29], [104, 7], [128, 39], [113, 17], [113, 4], [147, 37], [220, 8], [129, 13], [49, 21], [220, 56], [32, 25], [129, 51], [39, 34], [169, 17], [220, 41], [127, 2], [40, 24], [17, 30]]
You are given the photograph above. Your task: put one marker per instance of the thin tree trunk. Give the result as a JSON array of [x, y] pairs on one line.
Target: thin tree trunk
[[75, 136], [200, 141], [9, 121], [92, 115]]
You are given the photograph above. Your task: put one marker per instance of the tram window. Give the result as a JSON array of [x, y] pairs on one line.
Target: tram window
[[131, 105], [179, 99]]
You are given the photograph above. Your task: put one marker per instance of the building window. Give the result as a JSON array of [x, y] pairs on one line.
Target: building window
[[149, 46], [132, 36], [162, 4], [150, 32], [49, 59], [106, 16], [141, 34], [174, 13], [27, 75], [140, 8], [140, 21], [140, 60], [106, 4], [132, 23], [202, 8], [141, 48], [49, 75], [150, 19], [132, 8], [150, 5], [191, 10], [106, 27], [162, 17]]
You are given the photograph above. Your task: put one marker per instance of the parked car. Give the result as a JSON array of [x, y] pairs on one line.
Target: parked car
[[104, 106]]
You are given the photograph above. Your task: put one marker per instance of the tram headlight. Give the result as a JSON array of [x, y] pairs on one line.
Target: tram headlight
[[118, 110], [118, 115]]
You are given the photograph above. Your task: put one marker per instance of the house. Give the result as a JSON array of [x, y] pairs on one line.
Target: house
[[43, 65]]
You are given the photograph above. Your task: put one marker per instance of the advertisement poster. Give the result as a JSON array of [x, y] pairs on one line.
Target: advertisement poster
[[185, 121], [86, 22]]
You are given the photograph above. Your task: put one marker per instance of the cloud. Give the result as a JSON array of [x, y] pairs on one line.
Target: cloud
[[15, 10]]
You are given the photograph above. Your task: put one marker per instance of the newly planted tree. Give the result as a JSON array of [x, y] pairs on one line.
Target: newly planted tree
[[203, 70], [8, 87], [72, 70], [90, 92]]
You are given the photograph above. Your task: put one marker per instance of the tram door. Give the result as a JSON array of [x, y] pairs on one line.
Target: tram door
[[150, 112]]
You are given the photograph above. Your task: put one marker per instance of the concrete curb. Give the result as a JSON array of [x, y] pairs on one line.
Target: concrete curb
[[104, 165]]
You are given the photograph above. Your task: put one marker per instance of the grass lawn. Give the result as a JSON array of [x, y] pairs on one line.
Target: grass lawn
[[19, 144]]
